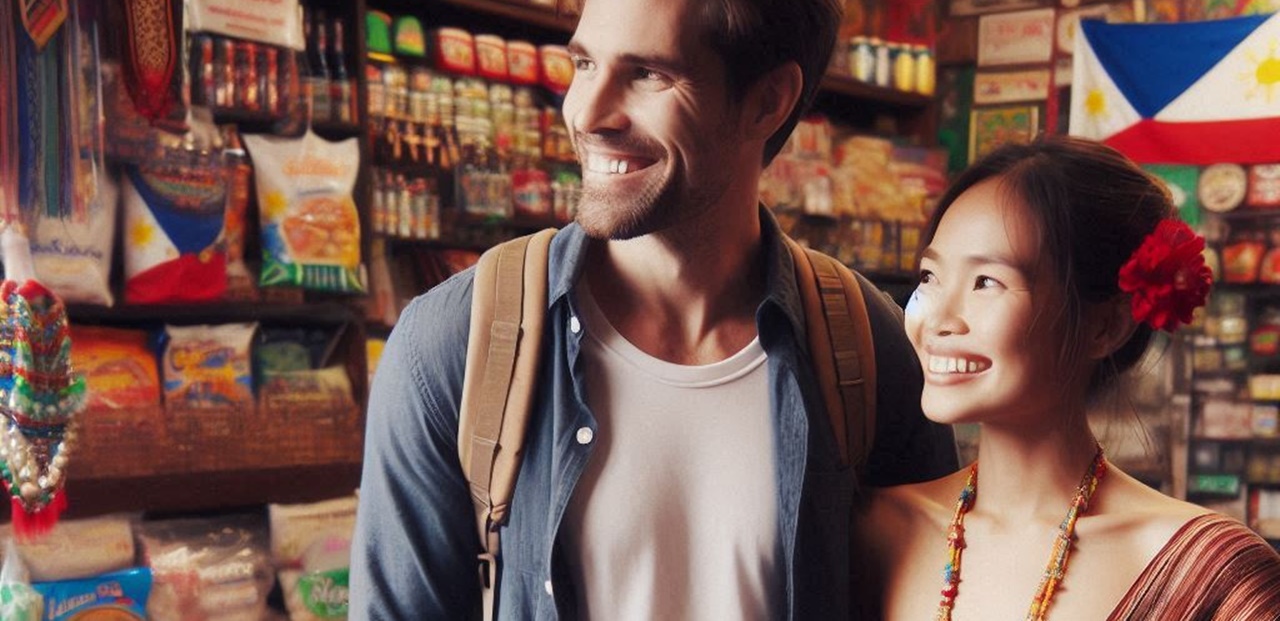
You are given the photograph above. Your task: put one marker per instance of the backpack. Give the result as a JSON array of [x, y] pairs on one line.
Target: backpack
[[508, 309]]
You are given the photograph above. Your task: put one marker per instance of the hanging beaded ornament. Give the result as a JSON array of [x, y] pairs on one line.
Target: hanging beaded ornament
[[39, 396], [1056, 568]]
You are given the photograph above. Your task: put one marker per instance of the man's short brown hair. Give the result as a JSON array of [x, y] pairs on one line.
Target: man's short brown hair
[[753, 37]]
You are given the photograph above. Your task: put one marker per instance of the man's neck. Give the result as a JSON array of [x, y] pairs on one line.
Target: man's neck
[[686, 295]]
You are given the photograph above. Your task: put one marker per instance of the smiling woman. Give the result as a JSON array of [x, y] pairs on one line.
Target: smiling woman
[[1045, 270]]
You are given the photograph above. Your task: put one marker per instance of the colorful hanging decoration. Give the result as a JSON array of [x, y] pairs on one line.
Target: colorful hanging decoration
[[151, 64], [39, 393], [42, 18]]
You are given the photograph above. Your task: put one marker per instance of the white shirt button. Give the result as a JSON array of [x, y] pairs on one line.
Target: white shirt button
[[585, 435], [547, 585], [575, 326]]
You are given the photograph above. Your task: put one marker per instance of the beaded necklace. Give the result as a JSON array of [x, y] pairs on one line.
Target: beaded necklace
[[1057, 566]]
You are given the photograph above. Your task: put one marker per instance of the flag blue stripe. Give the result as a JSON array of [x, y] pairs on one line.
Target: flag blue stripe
[[1154, 63]]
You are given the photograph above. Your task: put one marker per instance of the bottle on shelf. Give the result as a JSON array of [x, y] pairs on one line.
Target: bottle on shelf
[[341, 100], [317, 67]]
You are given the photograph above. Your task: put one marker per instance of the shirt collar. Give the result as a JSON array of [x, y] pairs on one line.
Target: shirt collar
[[569, 248]]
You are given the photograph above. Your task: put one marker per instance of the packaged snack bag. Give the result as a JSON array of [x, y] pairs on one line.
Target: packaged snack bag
[[119, 367], [173, 220], [119, 596], [310, 226], [208, 366], [73, 257]]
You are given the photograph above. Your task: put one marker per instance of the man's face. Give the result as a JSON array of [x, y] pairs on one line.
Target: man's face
[[651, 117]]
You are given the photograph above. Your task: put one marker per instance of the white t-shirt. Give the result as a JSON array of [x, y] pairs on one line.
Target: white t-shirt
[[676, 514]]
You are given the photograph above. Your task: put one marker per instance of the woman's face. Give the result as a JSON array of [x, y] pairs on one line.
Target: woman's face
[[982, 319]]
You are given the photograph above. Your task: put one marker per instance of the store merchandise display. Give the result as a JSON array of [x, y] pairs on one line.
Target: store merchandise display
[[1234, 445], [311, 549], [292, 559], [861, 198], [472, 126]]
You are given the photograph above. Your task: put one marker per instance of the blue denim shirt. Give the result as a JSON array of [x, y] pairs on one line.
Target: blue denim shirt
[[414, 553]]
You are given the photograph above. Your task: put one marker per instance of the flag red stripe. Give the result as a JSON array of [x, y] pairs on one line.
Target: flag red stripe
[[1247, 141]]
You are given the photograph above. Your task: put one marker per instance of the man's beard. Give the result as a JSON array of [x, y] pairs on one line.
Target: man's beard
[[666, 200]]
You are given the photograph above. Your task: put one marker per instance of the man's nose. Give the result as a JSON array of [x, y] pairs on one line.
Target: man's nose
[[596, 104]]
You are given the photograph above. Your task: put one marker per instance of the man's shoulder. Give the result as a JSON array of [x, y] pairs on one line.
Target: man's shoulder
[[444, 304]]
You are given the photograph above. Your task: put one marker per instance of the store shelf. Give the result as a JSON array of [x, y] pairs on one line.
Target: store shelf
[[541, 16], [204, 491], [848, 87], [1253, 290], [1246, 213], [330, 313], [1243, 440]]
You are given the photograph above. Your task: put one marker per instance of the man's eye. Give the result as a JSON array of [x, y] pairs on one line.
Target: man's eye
[[583, 64], [925, 277]]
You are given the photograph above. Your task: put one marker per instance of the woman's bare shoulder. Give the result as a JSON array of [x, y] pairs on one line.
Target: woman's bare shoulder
[[901, 510], [1138, 518]]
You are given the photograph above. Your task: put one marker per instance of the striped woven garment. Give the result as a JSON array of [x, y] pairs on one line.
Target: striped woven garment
[[1214, 568]]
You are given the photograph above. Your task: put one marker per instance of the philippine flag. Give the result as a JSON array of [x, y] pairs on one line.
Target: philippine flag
[[1186, 93]]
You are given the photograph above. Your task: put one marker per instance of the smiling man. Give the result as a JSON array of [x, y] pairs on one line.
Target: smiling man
[[679, 463]]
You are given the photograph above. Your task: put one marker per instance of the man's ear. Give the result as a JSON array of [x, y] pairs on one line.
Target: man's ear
[[772, 98], [1110, 326]]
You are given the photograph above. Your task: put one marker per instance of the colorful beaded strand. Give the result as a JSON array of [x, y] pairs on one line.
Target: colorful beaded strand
[[955, 544], [1057, 566]]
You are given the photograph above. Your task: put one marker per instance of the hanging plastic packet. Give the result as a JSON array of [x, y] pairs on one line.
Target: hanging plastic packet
[[18, 601], [209, 367], [73, 257], [174, 210], [311, 547], [119, 367], [119, 596], [310, 226], [76, 549], [207, 569]]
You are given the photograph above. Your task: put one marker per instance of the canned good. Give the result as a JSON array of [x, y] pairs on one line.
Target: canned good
[[862, 61], [904, 66], [926, 77], [882, 76]]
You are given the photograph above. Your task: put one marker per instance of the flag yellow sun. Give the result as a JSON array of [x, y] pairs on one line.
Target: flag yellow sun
[[1265, 77], [1095, 103], [141, 234]]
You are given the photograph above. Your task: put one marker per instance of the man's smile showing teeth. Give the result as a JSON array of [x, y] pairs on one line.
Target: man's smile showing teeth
[[945, 364], [608, 165]]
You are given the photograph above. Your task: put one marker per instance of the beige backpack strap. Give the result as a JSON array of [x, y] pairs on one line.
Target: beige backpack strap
[[508, 306], [839, 334]]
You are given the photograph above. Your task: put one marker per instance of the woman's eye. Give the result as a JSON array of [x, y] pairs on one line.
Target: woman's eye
[[985, 282], [583, 64], [925, 278]]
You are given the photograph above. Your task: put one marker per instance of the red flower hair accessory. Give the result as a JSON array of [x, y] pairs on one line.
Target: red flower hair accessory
[[1167, 276]]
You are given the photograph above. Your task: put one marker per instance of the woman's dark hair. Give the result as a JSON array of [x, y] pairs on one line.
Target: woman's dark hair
[[1092, 207]]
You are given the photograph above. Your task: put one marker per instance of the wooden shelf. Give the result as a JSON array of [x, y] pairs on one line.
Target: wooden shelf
[[325, 313], [848, 87], [525, 12], [208, 491]]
